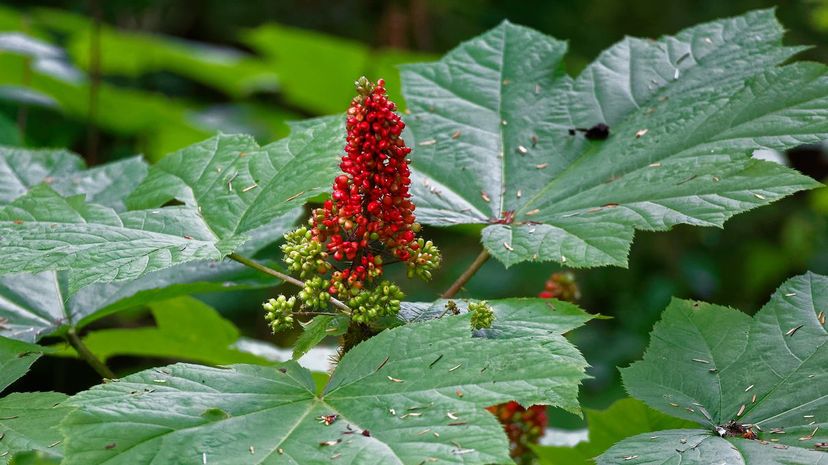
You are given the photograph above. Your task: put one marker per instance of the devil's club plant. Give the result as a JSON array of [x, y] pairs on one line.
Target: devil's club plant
[[654, 133], [368, 220]]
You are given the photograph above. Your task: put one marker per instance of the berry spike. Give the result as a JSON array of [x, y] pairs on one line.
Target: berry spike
[[369, 219]]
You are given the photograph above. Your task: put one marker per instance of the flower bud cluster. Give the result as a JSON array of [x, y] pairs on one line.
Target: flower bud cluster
[[368, 221], [383, 300], [279, 313], [315, 293], [304, 256], [482, 315], [424, 261]]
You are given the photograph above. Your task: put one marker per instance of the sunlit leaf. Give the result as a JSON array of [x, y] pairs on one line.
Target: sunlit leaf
[[29, 422], [238, 186], [186, 329], [230, 187], [715, 365], [499, 141], [316, 330], [66, 173], [391, 394], [15, 358]]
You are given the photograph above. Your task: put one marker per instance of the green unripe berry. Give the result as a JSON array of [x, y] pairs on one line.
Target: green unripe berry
[[482, 315]]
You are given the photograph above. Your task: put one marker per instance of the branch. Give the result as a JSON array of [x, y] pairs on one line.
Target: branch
[[87, 355], [312, 314], [284, 277], [467, 275]]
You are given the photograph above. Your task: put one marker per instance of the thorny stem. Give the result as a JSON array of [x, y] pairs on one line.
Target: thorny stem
[[467, 275], [284, 277], [87, 355]]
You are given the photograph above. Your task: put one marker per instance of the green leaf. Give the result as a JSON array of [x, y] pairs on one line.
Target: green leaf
[[15, 358], [238, 186], [698, 447], [22, 169], [402, 386], [541, 315], [23, 96], [624, 418], [66, 173], [34, 458], [29, 422], [230, 187], [492, 123], [123, 111], [22, 44], [225, 69], [43, 231], [713, 365], [9, 134], [187, 329], [316, 330], [33, 305], [328, 85]]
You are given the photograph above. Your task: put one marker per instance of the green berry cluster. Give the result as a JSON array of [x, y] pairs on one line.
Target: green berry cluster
[[425, 260], [279, 313], [383, 300], [315, 293], [304, 255], [482, 315]]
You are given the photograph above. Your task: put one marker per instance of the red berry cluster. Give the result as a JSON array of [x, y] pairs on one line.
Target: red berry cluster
[[370, 210], [523, 427], [526, 426], [561, 286]]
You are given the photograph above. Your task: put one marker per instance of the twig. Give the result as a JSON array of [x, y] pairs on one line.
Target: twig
[[317, 314], [467, 275], [87, 355], [284, 277]]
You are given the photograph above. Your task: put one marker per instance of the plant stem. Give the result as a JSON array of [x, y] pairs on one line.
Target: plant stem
[[284, 277], [88, 356], [316, 314], [467, 275]]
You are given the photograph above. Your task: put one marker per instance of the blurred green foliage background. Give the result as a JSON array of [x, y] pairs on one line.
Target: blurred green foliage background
[[113, 78]]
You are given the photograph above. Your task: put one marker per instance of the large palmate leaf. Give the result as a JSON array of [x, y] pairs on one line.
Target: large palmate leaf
[[238, 186], [43, 231], [29, 422], [208, 338], [412, 393], [624, 418], [496, 142], [714, 365], [15, 358], [231, 190], [36, 305], [22, 169], [33, 305]]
